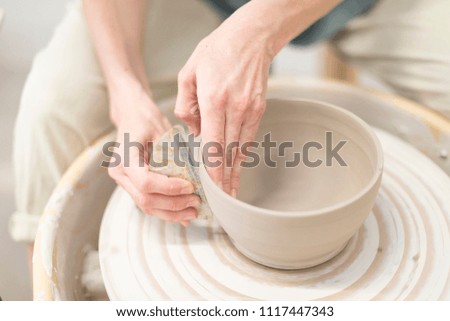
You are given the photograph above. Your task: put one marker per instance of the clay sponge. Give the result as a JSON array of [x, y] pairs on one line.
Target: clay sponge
[[172, 157]]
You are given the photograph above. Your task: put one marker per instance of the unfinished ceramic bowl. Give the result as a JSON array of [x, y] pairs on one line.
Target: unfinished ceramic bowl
[[292, 216]]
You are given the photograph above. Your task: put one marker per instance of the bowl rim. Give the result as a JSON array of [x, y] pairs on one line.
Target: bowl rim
[[377, 173]]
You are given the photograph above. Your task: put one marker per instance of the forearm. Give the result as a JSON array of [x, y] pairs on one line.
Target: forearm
[[132, 14], [277, 22], [116, 27]]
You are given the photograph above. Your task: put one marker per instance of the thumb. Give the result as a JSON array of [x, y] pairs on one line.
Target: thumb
[[187, 108]]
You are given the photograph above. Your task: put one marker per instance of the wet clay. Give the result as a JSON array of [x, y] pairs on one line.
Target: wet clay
[[291, 218], [316, 182], [402, 251]]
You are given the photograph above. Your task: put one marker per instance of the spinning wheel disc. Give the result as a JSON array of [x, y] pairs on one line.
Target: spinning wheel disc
[[401, 252]]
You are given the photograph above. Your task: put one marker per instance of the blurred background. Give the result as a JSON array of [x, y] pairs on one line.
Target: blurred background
[[26, 28]]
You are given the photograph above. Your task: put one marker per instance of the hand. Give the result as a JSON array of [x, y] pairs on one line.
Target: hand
[[221, 93], [135, 114], [222, 87]]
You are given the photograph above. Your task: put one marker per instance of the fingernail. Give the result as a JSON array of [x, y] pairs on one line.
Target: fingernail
[[188, 189], [233, 193]]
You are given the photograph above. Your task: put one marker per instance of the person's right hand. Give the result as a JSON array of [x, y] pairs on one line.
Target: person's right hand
[[167, 198]]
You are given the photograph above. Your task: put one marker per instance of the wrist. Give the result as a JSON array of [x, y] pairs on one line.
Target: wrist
[[120, 79], [137, 62], [126, 68], [277, 22], [128, 97]]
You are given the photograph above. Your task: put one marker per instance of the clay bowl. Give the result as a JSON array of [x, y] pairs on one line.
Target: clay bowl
[[301, 216]]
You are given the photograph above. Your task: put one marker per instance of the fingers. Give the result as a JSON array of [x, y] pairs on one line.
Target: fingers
[[169, 198], [186, 107], [183, 216], [150, 182], [248, 132], [233, 123], [151, 202], [213, 140], [170, 208], [210, 122], [117, 174]]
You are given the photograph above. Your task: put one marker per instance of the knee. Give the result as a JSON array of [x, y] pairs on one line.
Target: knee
[[45, 120], [38, 109], [55, 102]]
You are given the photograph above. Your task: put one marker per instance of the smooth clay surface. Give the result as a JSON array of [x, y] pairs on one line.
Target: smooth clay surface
[[308, 187], [402, 251], [303, 215]]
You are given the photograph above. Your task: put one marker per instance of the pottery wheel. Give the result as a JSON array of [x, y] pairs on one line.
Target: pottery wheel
[[402, 252]]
